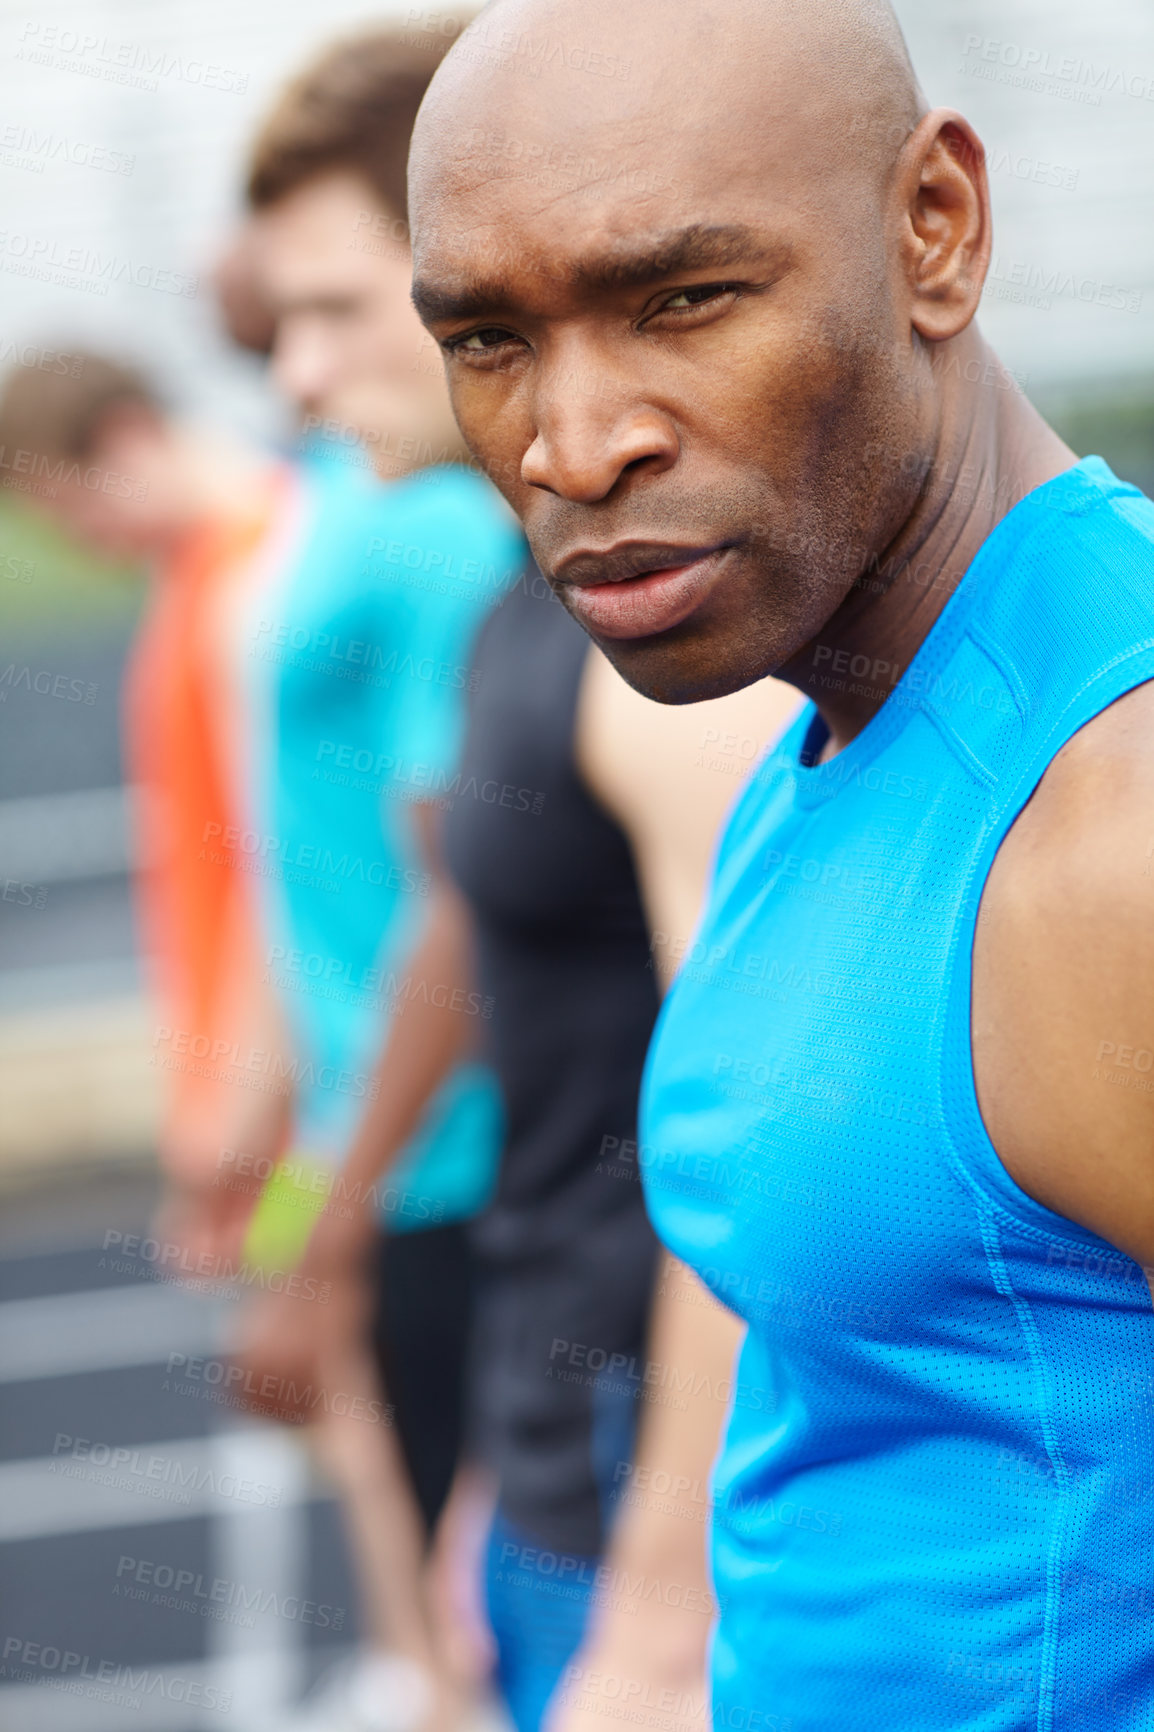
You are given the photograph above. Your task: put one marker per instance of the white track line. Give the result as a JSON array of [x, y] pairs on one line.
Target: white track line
[[86, 1484], [103, 1329], [261, 1670]]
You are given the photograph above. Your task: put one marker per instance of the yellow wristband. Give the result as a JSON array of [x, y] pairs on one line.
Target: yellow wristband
[[286, 1212]]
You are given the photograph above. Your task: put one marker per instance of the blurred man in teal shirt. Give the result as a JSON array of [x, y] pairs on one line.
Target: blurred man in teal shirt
[[353, 654]]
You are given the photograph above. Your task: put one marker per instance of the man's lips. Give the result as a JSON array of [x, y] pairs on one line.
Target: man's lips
[[638, 588]]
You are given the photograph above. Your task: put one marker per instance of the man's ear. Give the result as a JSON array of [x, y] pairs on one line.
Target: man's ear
[[946, 228]]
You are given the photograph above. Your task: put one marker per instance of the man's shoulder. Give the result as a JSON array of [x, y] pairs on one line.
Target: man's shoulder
[[1071, 569], [1080, 857], [1093, 813], [1103, 529]]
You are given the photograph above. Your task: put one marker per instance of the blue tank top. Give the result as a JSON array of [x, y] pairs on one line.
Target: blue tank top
[[935, 1504]]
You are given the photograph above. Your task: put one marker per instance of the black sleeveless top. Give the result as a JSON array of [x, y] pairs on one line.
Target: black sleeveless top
[[563, 950]]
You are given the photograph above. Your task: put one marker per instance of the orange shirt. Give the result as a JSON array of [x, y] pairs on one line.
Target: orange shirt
[[197, 913]]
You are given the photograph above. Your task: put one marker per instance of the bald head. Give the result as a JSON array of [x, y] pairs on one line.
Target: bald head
[[567, 82], [670, 254]]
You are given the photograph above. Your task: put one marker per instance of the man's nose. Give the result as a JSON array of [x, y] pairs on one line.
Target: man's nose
[[591, 431], [300, 367]]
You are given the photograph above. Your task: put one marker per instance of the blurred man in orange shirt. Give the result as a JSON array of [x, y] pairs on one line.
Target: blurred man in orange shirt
[[127, 479]]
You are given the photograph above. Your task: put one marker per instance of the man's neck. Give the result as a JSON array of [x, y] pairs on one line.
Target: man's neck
[[993, 449]]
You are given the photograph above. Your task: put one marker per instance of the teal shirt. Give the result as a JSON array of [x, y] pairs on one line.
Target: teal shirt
[[357, 663]]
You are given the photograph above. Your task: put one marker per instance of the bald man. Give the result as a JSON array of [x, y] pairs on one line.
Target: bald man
[[706, 297]]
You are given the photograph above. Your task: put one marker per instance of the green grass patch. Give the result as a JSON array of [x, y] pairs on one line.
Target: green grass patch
[[1114, 420], [49, 584]]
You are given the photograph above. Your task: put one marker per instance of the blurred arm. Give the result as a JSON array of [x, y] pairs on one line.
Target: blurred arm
[[669, 776], [662, 1644], [285, 1338], [218, 1133], [422, 1042]]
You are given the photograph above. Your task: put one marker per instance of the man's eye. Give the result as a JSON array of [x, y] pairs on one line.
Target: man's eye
[[478, 342], [695, 297]]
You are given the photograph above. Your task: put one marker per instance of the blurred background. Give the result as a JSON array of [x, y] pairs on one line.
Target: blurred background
[[121, 133]]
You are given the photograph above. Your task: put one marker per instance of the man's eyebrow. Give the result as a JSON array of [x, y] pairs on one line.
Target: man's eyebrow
[[634, 263], [466, 302], [638, 262]]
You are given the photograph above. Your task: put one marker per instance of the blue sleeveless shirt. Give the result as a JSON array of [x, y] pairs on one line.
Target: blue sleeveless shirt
[[935, 1504]]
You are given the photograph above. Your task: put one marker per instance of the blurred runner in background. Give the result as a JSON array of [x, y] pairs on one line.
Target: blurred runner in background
[[203, 514], [354, 657], [221, 532], [610, 816], [561, 902], [667, 776]]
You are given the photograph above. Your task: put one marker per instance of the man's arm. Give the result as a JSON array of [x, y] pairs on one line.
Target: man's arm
[[421, 1044], [1063, 984], [285, 1334], [669, 776], [220, 1131]]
